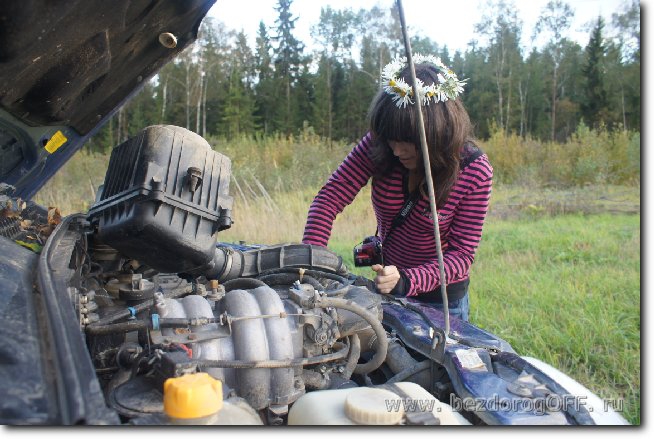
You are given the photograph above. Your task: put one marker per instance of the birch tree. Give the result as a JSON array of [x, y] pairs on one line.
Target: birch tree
[[555, 19]]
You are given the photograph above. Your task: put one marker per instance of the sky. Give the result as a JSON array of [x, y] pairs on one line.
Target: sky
[[449, 23]]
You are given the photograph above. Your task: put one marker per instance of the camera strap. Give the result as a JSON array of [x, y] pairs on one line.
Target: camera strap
[[404, 212], [412, 200], [473, 152]]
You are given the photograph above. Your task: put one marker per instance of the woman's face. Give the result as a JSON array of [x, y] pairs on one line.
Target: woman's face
[[406, 152]]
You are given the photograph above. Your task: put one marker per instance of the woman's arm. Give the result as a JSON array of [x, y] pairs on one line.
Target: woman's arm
[[339, 191], [463, 237]]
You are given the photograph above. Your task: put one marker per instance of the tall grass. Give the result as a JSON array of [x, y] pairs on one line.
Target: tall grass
[[74, 187], [589, 157], [283, 220], [281, 164], [265, 166]]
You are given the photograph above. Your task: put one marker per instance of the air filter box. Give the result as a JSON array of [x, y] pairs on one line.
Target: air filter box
[[165, 197]]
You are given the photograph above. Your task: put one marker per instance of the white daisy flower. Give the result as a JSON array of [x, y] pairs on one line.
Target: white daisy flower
[[448, 87]]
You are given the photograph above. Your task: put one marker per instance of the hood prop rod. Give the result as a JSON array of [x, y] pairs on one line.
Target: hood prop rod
[[425, 159]]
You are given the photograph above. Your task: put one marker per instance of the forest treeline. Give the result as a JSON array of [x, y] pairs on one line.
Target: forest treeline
[[221, 87]]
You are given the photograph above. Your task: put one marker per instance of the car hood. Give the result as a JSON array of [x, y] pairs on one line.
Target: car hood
[[67, 66]]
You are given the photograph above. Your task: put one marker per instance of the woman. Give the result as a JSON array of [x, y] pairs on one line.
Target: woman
[[390, 155]]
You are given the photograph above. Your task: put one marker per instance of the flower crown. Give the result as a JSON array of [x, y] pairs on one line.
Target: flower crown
[[448, 87]]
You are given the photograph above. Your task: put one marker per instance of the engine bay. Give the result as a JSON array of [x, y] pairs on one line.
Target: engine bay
[[269, 338]]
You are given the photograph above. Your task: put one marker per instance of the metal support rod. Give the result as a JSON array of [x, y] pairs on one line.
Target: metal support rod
[[425, 159]]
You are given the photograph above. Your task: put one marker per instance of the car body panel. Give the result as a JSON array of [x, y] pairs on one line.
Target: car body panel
[[66, 67], [22, 375]]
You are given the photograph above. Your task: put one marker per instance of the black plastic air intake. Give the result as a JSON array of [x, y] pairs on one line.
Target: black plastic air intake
[[232, 264], [165, 197]]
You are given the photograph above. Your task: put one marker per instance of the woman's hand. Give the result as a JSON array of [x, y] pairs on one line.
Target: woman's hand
[[387, 277]]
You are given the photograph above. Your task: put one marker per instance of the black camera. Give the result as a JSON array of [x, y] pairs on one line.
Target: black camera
[[368, 252]]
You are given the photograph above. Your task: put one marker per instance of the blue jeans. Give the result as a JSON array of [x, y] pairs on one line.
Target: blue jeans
[[458, 308]]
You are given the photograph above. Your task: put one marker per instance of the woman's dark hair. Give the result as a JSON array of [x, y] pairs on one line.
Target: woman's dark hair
[[447, 128]]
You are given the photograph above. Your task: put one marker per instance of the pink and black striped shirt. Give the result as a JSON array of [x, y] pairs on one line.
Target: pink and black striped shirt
[[412, 248]]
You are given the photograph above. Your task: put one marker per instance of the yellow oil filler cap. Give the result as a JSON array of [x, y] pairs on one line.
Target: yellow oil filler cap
[[192, 396], [374, 407]]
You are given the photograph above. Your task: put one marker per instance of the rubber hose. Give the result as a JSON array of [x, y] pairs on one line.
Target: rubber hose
[[117, 328], [275, 364], [406, 373], [138, 308], [382, 342], [229, 263], [314, 273], [243, 283], [353, 356], [338, 292]]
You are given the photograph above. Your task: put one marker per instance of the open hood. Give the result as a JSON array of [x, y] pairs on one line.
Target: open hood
[[67, 66]]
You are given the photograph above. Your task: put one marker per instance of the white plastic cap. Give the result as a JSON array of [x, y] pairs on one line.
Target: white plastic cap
[[374, 407]]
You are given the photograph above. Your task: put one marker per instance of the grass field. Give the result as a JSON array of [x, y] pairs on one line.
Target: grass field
[[557, 274]]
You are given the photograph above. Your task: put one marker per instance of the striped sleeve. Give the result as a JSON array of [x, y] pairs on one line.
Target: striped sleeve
[[339, 191], [464, 233]]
